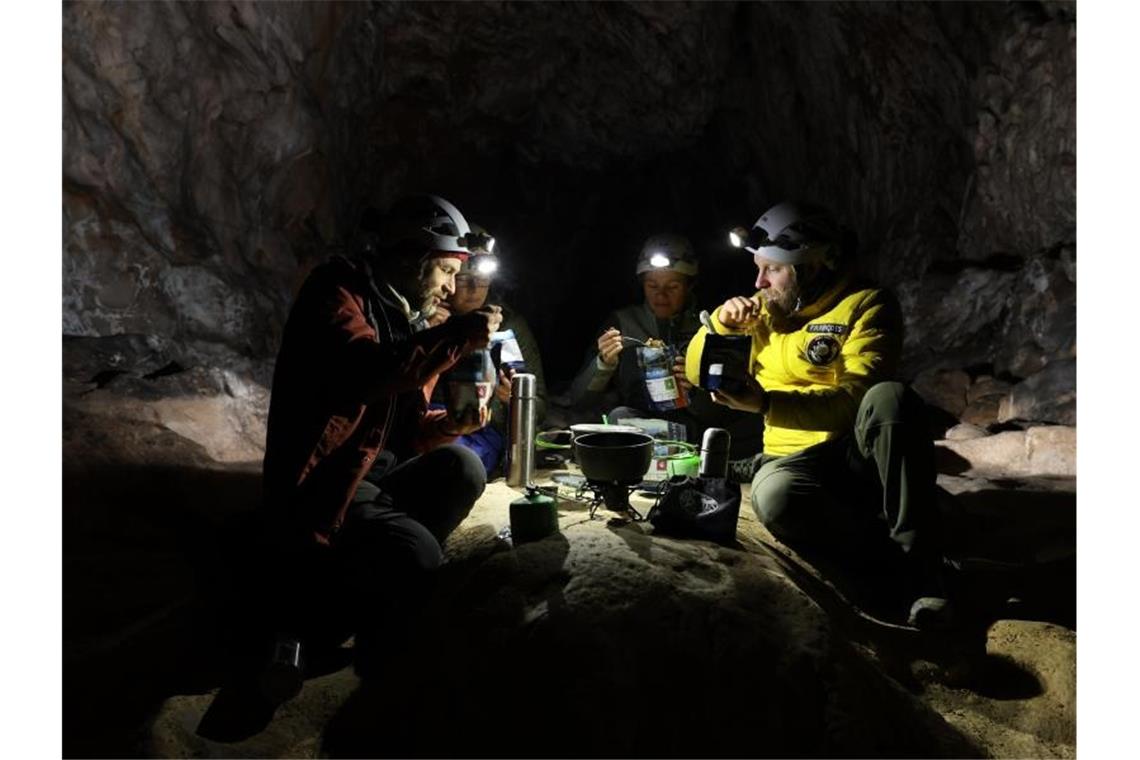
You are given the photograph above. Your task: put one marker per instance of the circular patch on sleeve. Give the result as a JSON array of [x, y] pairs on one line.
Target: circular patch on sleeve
[[822, 350]]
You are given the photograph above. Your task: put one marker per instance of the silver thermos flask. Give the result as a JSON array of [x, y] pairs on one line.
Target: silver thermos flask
[[714, 453], [520, 452]]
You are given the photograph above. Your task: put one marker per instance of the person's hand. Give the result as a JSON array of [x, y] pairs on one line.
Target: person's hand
[[609, 346], [751, 398], [679, 374], [503, 389], [739, 312], [471, 421], [476, 326], [439, 316]]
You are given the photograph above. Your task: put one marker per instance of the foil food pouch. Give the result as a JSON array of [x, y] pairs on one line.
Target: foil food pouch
[[661, 386], [505, 351], [470, 384]]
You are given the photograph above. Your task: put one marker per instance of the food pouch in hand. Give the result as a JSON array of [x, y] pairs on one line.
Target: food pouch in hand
[[470, 384], [661, 385], [724, 362], [505, 351]]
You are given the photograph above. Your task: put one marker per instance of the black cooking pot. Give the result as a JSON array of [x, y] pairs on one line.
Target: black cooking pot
[[614, 457]]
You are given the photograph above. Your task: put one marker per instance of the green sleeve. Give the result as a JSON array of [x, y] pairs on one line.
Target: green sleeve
[[594, 377]]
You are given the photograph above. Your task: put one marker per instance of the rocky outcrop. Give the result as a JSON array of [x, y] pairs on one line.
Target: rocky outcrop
[[1044, 451], [964, 432], [1047, 396], [943, 389], [983, 398], [1041, 326], [122, 393]]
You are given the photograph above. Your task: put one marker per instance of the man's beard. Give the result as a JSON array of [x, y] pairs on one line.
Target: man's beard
[[426, 300], [781, 306], [413, 287]]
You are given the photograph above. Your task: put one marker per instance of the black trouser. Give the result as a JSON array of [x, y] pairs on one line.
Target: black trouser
[[391, 542], [380, 568], [849, 495]]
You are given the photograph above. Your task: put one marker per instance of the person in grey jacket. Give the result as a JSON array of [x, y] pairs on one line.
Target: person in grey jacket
[[611, 381]]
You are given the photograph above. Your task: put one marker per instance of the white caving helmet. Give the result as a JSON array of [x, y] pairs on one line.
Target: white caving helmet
[[670, 253], [793, 234], [427, 223]]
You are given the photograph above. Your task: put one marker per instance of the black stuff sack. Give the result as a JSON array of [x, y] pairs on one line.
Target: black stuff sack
[[724, 362], [705, 508]]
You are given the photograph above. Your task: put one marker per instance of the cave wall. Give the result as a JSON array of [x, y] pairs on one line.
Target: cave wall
[[214, 151], [202, 162]]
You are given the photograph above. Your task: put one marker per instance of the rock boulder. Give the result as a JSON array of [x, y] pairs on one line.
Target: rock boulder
[[1047, 396], [1045, 451]]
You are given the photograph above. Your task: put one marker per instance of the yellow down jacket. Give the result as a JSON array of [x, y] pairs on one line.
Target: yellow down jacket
[[816, 374]]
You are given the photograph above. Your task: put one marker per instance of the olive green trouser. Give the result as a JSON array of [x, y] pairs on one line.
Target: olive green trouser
[[849, 495]]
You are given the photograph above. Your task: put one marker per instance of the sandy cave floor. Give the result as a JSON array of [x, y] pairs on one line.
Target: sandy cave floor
[[142, 671]]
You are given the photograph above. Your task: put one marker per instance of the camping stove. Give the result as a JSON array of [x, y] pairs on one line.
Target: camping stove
[[615, 497]]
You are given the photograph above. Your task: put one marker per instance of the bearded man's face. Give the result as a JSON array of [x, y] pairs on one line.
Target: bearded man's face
[[437, 283], [777, 285]]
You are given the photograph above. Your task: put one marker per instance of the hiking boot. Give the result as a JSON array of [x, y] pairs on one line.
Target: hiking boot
[[742, 471], [933, 613], [283, 676]]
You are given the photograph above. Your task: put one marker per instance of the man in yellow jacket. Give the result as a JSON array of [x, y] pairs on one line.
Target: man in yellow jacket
[[847, 459]]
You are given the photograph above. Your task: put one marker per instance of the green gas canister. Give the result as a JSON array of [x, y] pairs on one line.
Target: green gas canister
[[533, 517]]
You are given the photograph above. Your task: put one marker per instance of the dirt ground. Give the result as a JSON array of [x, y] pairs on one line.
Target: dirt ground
[[147, 610]]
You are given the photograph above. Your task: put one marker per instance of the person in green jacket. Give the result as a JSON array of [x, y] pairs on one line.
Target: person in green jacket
[[612, 382], [519, 353], [847, 460]]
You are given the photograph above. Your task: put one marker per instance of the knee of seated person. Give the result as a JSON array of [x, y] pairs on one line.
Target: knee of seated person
[[466, 476], [885, 402], [770, 501], [420, 556]]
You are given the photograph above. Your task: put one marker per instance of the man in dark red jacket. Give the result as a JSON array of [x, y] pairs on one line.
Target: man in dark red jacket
[[362, 482]]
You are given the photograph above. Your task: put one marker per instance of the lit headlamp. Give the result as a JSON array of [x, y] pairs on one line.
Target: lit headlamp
[[485, 265], [481, 265], [659, 260], [478, 241], [740, 237], [783, 248]]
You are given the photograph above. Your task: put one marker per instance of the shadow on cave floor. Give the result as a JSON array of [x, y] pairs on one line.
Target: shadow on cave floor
[[1016, 549], [150, 607], [1013, 547]]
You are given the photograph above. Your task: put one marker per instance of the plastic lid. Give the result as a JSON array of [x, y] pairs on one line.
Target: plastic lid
[[715, 440], [523, 385]]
